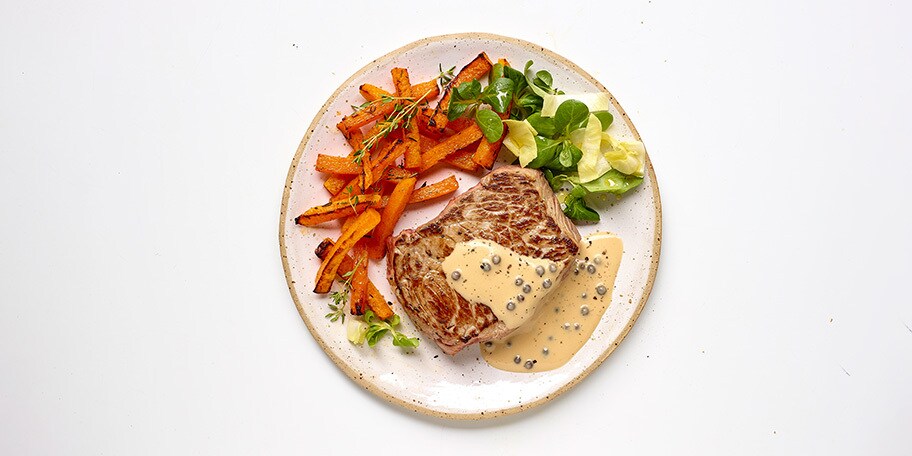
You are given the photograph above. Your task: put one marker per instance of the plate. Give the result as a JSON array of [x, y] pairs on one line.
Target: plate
[[426, 380]]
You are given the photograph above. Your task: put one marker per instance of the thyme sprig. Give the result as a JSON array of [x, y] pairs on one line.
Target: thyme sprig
[[444, 77], [352, 200], [340, 297], [402, 113]]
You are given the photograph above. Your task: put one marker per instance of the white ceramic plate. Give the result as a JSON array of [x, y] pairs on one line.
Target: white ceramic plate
[[427, 380]]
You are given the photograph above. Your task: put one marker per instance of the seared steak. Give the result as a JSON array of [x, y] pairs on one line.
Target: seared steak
[[511, 206]]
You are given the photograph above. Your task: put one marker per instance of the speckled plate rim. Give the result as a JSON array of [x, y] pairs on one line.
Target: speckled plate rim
[[283, 218]]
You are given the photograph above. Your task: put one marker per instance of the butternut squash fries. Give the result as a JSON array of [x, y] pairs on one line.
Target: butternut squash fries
[[362, 225], [346, 270], [336, 209], [359, 281], [394, 208], [395, 138]]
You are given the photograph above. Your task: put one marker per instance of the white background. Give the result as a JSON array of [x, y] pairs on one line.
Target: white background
[[143, 151]]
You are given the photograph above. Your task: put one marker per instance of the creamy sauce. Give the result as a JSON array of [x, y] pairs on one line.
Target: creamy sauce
[[566, 317], [512, 285]]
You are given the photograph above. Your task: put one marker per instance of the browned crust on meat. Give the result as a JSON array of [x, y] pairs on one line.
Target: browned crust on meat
[[511, 206]]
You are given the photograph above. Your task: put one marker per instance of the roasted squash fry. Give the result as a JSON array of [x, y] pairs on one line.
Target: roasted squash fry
[[351, 188], [355, 139], [401, 82], [363, 225], [426, 143], [412, 149], [370, 113], [359, 289], [331, 164], [429, 89], [334, 184], [375, 300], [460, 124], [462, 158], [424, 118], [450, 145], [367, 176], [396, 174], [391, 213], [376, 129], [436, 190], [387, 157], [476, 69], [410, 130], [371, 92], [336, 209], [386, 160], [428, 192], [348, 221], [385, 139]]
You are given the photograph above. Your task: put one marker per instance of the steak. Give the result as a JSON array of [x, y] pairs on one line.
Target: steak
[[511, 206]]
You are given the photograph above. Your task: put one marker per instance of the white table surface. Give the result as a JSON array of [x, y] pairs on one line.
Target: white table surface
[[143, 150]]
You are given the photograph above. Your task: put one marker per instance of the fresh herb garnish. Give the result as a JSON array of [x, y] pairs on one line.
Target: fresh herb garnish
[[402, 113], [468, 97], [353, 202], [339, 302], [340, 297], [444, 77], [370, 327], [377, 328]]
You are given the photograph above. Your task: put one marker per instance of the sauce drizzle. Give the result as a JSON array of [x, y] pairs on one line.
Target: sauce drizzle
[[512, 285], [567, 316]]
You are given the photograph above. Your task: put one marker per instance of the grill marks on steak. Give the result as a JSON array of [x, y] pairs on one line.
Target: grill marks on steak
[[511, 206]]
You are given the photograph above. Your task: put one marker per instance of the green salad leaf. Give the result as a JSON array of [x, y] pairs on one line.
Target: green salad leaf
[[576, 208], [605, 118], [570, 116], [490, 123], [545, 151], [556, 181], [567, 159], [612, 181], [377, 328], [467, 90], [543, 125], [466, 98], [498, 94]]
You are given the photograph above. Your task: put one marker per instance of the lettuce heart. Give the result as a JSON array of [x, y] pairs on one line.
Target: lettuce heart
[[520, 140], [588, 140], [628, 157]]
